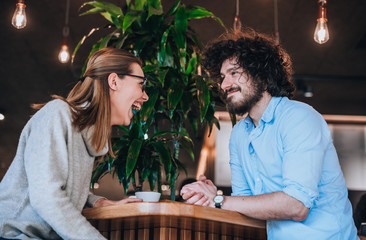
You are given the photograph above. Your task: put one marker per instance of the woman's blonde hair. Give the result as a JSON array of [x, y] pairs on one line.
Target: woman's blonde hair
[[90, 99]]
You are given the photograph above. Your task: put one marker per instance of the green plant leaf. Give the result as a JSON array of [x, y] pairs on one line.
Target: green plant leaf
[[210, 117], [203, 96], [128, 3], [104, 42], [107, 16], [154, 8], [169, 60], [146, 168], [162, 74], [121, 40], [106, 6], [123, 128], [92, 11], [99, 171], [139, 4], [173, 181], [179, 39], [148, 106], [217, 123], [188, 149], [181, 133], [162, 50], [233, 119], [132, 156], [164, 155], [175, 94], [140, 44], [186, 103], [173, 9], [181, 20], [129, 19], [81, 42], [135, 130], [94, 49], [197, 12], [192, 64], [154, 173], [149, 68]]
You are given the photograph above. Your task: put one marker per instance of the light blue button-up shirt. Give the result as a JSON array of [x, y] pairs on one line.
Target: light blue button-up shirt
[[291, 150]]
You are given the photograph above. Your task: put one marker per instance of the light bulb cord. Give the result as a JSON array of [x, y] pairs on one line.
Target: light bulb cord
[[275, 14], [66, 30], [67, 12], [237, 8]]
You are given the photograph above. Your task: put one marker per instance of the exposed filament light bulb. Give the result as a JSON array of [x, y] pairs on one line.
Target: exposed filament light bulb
[[64, 55], [19, 19], [321, 33]]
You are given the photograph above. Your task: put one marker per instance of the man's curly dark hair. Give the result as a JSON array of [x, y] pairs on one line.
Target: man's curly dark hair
[[259, 56]]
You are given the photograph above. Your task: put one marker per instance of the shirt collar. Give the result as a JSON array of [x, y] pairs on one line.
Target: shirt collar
[[268, 114]]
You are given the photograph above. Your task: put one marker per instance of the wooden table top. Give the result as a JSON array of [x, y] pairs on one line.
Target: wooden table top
[[173, 220], [171, 208]]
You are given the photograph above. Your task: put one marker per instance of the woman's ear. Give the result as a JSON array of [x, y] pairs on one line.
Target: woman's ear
[[112, 81]]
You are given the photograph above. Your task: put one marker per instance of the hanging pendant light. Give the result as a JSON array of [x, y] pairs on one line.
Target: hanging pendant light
[[64, 54], [321, 33], [19, 19]]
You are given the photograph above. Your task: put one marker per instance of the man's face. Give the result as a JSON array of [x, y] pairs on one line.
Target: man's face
[[241, 91]]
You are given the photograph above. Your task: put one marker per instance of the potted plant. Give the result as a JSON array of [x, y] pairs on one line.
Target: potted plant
[[169, 49]]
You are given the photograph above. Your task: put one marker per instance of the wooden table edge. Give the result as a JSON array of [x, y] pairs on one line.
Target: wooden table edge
[[171, 208]]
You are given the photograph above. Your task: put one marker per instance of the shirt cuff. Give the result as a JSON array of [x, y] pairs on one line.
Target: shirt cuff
[[300, 194]]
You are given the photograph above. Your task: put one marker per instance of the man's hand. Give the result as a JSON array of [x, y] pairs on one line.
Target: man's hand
[[105, 202], [200, 193]]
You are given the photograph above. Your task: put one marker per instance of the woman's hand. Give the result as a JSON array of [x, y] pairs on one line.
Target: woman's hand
[[105, 202]]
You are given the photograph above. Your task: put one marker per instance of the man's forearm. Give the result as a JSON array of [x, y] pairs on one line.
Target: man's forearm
[[270, 206]]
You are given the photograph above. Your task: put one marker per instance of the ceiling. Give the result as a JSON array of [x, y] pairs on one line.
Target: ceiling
[[30, 72]]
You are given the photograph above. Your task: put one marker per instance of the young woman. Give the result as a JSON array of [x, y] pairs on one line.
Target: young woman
[[47, 185]]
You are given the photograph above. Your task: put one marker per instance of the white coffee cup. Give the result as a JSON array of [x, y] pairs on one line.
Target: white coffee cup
[[148, 196]]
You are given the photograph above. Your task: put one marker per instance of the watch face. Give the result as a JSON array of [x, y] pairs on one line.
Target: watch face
[[219, 199]]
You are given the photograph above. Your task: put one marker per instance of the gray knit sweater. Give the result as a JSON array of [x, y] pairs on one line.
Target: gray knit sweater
[[47, 185]]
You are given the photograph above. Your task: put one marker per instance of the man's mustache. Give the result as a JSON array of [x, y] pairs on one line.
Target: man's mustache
[[231, 89]]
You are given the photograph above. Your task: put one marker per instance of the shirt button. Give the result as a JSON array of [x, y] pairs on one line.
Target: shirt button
[[257, 179]]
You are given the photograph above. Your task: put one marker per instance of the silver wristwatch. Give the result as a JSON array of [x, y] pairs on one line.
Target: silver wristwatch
[[218, 199]]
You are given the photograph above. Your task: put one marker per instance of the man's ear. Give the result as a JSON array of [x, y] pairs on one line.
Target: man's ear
[[112, 81]]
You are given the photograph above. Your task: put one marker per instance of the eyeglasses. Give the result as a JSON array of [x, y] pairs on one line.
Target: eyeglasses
[[141, 77]]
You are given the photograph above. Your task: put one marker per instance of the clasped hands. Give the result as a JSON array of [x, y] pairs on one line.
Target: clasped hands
[[200, 193]]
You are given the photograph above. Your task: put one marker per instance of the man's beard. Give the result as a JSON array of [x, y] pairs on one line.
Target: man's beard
[[250, 99]]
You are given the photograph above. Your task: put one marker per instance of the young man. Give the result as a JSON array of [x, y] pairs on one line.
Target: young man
[[284, 167]]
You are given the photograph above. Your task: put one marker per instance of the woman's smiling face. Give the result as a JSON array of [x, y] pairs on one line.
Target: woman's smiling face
[[126, 93]]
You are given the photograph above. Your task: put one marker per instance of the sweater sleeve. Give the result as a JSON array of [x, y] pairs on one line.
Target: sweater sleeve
[[46, 165], [92, 199]]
